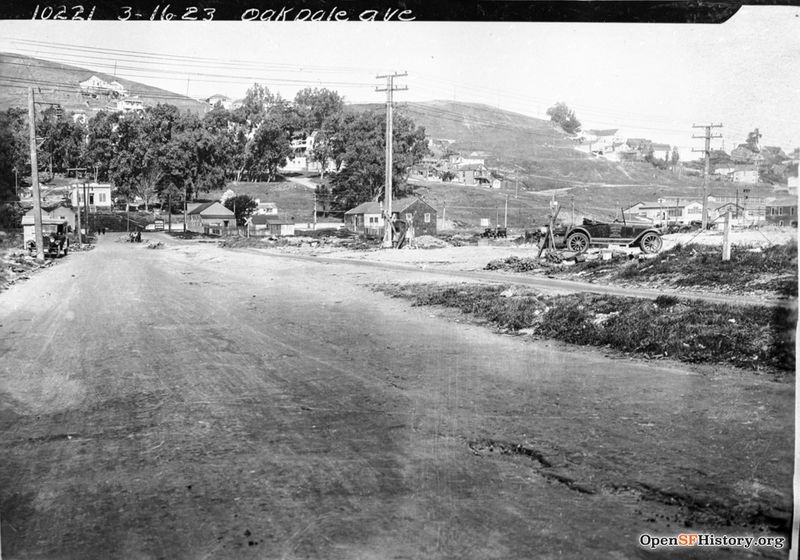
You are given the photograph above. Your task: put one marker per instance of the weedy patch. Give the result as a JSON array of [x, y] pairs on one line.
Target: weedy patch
[[751, 269], [752, 337]]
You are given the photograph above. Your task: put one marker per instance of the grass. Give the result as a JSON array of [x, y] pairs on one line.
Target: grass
[[752, 337]]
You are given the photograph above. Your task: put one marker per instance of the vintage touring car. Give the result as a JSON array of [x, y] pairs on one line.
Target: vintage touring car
[[579, 238]]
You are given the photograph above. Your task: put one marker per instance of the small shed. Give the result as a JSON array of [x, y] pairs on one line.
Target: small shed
[[271, 225]]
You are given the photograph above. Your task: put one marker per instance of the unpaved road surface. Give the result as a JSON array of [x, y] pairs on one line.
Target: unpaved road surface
[[192, 402]]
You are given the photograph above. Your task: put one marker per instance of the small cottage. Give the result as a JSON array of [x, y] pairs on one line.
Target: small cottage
[[419, 216], [211, 218]]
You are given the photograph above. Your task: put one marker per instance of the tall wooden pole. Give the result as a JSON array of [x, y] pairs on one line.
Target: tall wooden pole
[[389, 89], [78, 215], [707, 151], [726, 238], [37, 202]]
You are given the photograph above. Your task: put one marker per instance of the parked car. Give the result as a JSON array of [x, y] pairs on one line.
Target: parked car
[[579, 238], [56, 242], [495, 232]]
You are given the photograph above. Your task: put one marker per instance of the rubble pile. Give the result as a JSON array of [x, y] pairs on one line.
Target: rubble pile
[[18, 265], [427, 242]]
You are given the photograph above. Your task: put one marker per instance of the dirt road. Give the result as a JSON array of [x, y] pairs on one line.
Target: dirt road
[[191, 402]]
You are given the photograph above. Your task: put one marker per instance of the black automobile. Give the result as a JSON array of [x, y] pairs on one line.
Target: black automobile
[[579, 238]]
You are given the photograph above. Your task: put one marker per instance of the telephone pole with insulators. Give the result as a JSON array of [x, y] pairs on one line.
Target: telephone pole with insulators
[[707, 151], [389, 89]]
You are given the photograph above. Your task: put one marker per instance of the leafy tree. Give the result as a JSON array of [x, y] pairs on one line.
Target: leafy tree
[[317, 106], [360, 148], [753, 140], [320, 111], [267, 151], [101, 141], [564, 117], [12, 154], [242, 205], [63, 145]]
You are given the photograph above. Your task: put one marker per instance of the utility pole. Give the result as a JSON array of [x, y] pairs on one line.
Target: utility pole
[[37, 203], [315, 210], [389, 89], [572, 200], [708, 136], [86, 208], [184, 209], [505, 216], [78, 215]]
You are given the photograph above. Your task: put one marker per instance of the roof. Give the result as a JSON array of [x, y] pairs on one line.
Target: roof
[[206, 209], [398, 205], [783, 201], [262, 219], [470, 166], [661, 146]]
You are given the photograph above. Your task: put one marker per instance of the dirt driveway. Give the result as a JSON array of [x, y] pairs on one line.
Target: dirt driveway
[[192, 402]]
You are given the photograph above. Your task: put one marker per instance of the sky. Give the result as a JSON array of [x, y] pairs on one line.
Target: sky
[[647, 80]]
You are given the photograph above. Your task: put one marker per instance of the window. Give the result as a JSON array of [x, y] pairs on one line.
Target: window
[[427, 218], [792, 210], [674, 212], [409, 217], [101, 197], [91, 198]]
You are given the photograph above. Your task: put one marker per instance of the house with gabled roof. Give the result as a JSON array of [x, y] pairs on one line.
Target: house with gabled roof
[[368, 217], [211, 218]]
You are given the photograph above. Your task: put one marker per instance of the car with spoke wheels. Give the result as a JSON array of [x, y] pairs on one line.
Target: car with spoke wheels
[[593, 233]]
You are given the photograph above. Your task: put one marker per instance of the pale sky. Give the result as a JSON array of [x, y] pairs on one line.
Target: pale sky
[[653, 81]]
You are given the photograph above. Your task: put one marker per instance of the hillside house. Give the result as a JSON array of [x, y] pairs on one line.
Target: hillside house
[[668, 211], [224, 100], [599, 142], [745, 174], [211, 218], [94, 85], [129, 104], [302, 152], [743, 154], [473, 174], [782, 211], [265, 208], [419, 216], [661, 151], [99, 195]]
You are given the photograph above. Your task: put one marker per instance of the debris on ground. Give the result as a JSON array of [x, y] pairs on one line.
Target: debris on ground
[[427, 242], [155, 245]]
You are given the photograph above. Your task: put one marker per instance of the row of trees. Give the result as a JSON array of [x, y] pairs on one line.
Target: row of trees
[[161, 151]]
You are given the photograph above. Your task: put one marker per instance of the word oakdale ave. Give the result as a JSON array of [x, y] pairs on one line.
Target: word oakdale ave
[[333, 14]]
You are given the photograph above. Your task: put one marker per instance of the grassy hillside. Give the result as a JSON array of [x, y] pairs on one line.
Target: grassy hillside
[[58, 83], [545, 155]]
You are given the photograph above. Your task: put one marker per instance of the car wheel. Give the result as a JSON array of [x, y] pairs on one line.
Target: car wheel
[[578, 242], [650, 243]]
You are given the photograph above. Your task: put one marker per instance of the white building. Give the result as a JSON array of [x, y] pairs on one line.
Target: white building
[[130, 104], [99, 195]]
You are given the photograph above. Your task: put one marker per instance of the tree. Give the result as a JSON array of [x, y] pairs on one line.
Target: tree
[[753, 140], [242, 205], [267, 151], [101, 141], [360, 150], [14, 153], [565, 117]]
